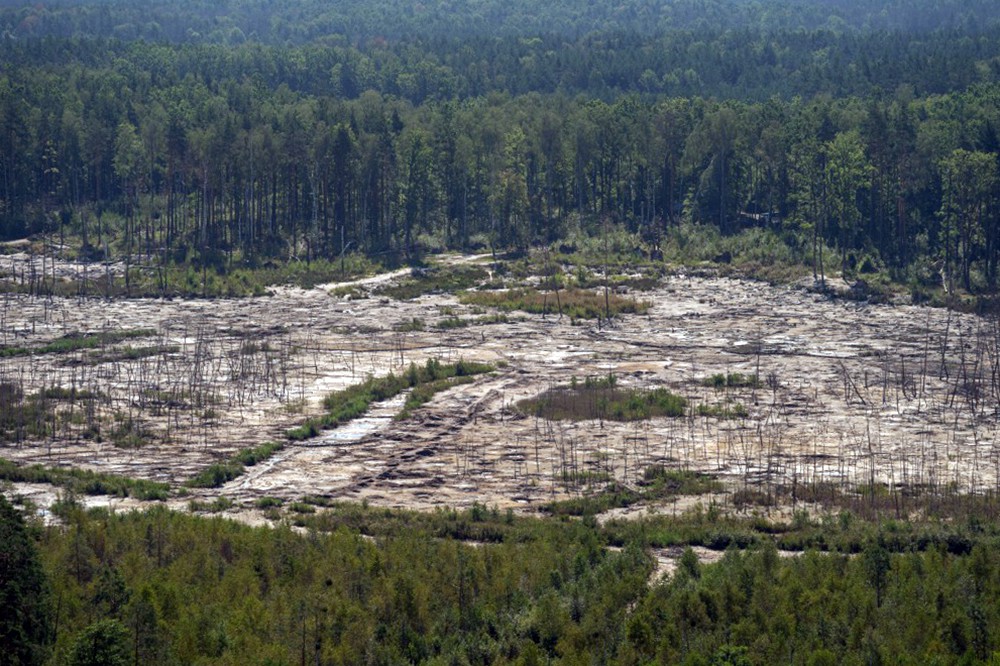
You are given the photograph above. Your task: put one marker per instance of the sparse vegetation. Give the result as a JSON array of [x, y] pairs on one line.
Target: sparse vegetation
[[435, 281], [732, 380], [78, 341], [572, 303], [84, 482], [601, 398], [352, 402], [219, 474], [725, 410]]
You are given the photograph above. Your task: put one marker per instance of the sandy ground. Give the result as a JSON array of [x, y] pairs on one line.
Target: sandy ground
[[851, 392]]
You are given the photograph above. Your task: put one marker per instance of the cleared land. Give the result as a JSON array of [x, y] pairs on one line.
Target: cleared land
[[847, 393]]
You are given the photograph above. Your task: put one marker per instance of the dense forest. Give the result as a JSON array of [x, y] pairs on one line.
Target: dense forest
[[380, 587], [861, 139], [250, 137]]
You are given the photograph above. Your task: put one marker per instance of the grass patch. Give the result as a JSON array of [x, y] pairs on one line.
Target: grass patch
[[657, 483], [726, 410], [352, 402], [409, 326], [216, 506], [38, 415], [84, 482], [662, 482], [423, 393], [128, 353], [574, 303], [435, 281], [219, 474], [77, 341], [601, 398], [731, 380]]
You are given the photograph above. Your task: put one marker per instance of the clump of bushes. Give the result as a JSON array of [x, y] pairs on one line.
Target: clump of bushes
[[352, 402], [219, 474], [601, 398], [574, 303]]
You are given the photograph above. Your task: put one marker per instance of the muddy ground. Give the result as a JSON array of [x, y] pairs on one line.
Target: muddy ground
[[850, 392]]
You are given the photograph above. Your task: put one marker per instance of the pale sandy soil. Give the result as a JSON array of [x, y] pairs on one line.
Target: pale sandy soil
[[853, 392]]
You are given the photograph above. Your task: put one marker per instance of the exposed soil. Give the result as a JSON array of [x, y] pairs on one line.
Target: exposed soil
[[850, 392]]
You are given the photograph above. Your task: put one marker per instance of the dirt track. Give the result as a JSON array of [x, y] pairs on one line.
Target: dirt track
[[851, 392]]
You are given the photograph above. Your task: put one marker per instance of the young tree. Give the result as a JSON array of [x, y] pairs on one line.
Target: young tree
[[967, 182], [24, 601], [104, 643]]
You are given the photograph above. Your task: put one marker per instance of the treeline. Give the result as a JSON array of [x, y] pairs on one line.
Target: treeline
[[274, 22], [740, 64], [221, 169], [167, 588]]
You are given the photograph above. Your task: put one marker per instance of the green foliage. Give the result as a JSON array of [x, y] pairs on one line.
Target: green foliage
[[84, 482], [24, 593], [435, 281], [219, 474], [732, 380], [573, 303], [203, 590], [657, 484], [411, 325], [104, 643], [350, 403], [77, 341], [726, 410], [600, 399]]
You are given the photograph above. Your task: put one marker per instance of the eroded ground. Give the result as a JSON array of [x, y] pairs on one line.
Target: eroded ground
[[849, 392]]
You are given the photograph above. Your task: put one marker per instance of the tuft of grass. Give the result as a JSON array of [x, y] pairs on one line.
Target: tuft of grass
[[731, 380], [77, 341], [435, 281], [220, 504], [269, 502], [602, 399], [352, 402], [657, 483], [409, 326], [84, 482], [727, 410], [219, 474], [574, 303]]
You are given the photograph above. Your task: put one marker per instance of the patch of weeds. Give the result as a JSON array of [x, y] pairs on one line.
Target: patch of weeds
[[128, 433], [215, 475], [129, 353], [731, 380], [294, 406], [269, 502], [724, 411], [77, 341], [453, 322], [302, 507], [657, 483], [414, 324], [423, 393], [349, 292], [84, 481], [435, 281], [614, 496], [317, 500], [573, 303], [585, 478], [601, 398], [67, 394], [219, 474], [216, 506], [661, 482], [352, 402]]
